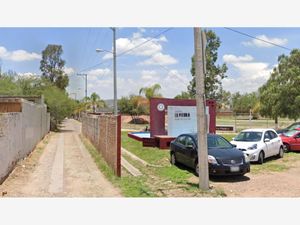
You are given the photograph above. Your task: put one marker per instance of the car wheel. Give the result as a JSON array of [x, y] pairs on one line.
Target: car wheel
[[281, 151], [286, 147], [173, 159], [261, 158]]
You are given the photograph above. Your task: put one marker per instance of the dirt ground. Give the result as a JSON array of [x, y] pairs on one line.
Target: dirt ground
[[64, 168], [266, 184]]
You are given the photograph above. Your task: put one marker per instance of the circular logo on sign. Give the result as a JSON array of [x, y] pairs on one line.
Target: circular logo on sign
[[160, 107]]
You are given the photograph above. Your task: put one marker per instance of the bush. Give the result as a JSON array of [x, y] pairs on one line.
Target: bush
[[59, 105], [138, 120]]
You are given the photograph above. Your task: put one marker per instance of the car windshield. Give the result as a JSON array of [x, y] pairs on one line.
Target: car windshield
[[217, 142], [290, 133], [293, 126], [249, 136]]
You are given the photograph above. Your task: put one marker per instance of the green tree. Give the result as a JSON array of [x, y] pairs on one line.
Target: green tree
[[214, 73], [280, 96], [224, 99], [269, 98], [52, 66], [59, 105], [151, 92], [132, 105], [95, 102], [242, 103], [8, 86], [183, 95]]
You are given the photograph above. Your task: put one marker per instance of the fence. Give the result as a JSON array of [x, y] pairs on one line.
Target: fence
[[104, 132], [20, 131]]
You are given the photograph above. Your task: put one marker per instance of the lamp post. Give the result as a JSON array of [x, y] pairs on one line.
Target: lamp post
[[114, 69]]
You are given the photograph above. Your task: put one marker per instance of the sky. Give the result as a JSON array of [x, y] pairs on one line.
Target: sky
[[165, 58]]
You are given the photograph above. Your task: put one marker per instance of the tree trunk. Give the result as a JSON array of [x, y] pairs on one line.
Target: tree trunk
[[276, 122]]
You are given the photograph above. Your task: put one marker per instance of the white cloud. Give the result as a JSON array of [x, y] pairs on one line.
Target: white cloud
[[232, 58], [69, 70], [147, 49], [98, 73], [18, 55], [262, 44], [160, 59], [172, 83], [141, 47], [250, 75]]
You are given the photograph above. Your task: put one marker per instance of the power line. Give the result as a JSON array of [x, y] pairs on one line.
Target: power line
[[129, 50], [248, 35]]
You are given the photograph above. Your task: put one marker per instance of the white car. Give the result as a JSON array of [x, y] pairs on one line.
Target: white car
[[259, 144]]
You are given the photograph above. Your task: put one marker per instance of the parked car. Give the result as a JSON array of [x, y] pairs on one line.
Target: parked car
[[291, 140], [223, 157], [259, 144], [291, 127]]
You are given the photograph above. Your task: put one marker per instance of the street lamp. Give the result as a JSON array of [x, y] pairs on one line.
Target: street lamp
[[114, 69]]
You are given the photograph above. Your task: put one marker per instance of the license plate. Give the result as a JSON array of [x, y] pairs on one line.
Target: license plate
[[234, 169]]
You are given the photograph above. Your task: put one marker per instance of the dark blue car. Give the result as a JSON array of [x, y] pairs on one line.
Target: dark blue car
[[223, 157]]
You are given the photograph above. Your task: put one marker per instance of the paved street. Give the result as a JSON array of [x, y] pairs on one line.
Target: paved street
[[64, 169]]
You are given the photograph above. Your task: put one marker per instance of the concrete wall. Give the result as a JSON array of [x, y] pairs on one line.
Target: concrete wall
[[20, 132], [104, 132]]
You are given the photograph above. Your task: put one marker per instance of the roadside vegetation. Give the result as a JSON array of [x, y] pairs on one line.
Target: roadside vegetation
[[162, 178]]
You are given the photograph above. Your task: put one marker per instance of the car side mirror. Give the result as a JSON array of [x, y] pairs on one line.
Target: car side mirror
[[233, 145], [267, 140]]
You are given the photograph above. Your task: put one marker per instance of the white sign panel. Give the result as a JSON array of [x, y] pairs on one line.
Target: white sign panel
[[183, 119]]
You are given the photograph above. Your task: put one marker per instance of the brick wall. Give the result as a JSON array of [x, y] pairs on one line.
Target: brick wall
[[104, 132]]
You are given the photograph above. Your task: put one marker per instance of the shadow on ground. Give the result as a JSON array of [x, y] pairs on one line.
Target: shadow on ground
[[226, 178]]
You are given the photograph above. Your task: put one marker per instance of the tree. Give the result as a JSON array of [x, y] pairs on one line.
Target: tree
[[280, 96], [58, 103], [269, 98], [8, 86], [242, 103], [214, 73], [133, 105], [95, 102], [183, 95], [224, 99], [152, 91], [52, 66]]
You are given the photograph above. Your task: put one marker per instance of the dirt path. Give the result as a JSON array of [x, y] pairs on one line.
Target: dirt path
[[63, 169], [268, 184]]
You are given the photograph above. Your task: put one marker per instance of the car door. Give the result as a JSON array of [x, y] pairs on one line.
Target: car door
[[190, 151], [296, 143], [180, 149], [268, 148], [275, 141]]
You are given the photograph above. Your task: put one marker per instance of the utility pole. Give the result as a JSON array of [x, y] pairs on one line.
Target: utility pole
[[84, 74], [115, 72], [199, 58]]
